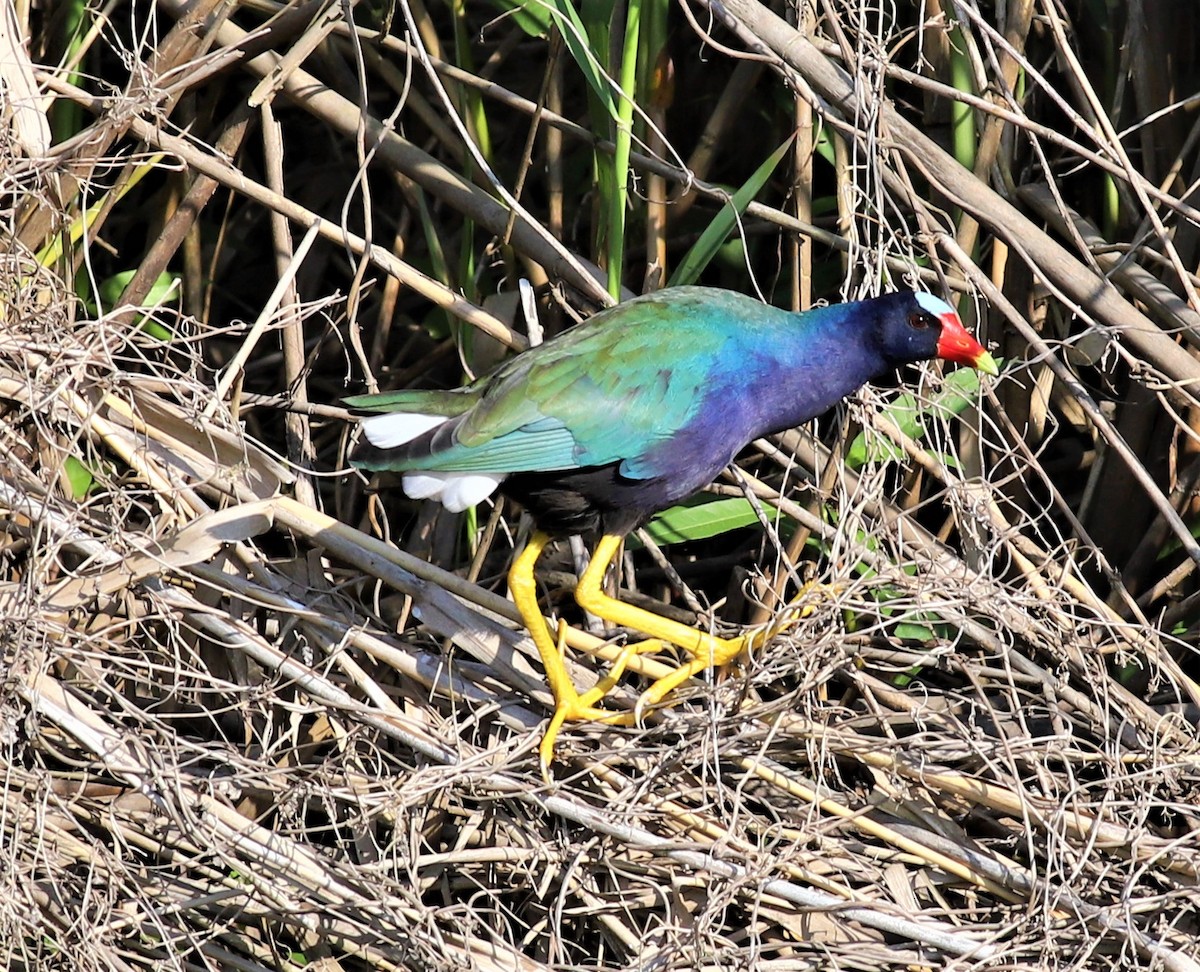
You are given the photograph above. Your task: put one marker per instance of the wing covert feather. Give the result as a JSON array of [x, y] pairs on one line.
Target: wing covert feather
[[615, 391], [609, 390]]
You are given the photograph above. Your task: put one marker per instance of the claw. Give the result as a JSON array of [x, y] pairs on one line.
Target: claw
[[707, 651], [664, 686], [577, 708]]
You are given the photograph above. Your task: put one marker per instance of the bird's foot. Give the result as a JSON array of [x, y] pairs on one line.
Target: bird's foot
[[573, 706], [713, 652], [801, 606], [707, 651], [699, 644], [606, 684], [662, 687], [576, 708]]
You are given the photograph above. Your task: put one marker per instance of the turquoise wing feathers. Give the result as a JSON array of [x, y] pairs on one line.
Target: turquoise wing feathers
[[604, 392]]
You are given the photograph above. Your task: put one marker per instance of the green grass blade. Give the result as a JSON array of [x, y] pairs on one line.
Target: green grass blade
[[962, 115], [530, 15], [624, 142], [580, 46], [713, 237], [711, 518], [53, 251]]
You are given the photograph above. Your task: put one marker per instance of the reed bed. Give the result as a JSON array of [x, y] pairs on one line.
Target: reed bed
[[258, 713]]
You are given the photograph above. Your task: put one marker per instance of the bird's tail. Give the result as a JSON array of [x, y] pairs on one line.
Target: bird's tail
[[421, 401], [403, 428], [393, 419]]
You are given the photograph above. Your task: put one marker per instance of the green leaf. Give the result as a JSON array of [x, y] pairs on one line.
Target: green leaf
[[908, 631], [710, 518], [961, 390], [711, 240], [79, 478], [165, 289], [530, 15], [824, 148], [580, 44]]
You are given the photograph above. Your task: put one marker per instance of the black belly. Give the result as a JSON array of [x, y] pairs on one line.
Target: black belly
[[592, 500]]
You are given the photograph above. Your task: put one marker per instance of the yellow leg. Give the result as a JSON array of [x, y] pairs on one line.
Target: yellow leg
[[591, 597], [569, 705], [707, 650], [609, 681]]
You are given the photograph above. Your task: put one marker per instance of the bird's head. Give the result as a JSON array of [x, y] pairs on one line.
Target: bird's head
[[919, 326]]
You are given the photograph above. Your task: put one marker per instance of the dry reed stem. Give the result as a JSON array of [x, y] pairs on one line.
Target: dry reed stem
[[237, 731]]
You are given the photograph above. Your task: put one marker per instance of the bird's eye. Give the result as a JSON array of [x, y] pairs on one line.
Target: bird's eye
[[921, 320]]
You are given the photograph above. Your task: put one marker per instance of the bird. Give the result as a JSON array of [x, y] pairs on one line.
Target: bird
[[613, 420]]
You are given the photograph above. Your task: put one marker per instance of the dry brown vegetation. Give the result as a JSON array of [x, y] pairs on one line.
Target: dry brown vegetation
[[255, 716]]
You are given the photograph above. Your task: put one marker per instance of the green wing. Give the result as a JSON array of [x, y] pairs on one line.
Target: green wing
[[604, 392]]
